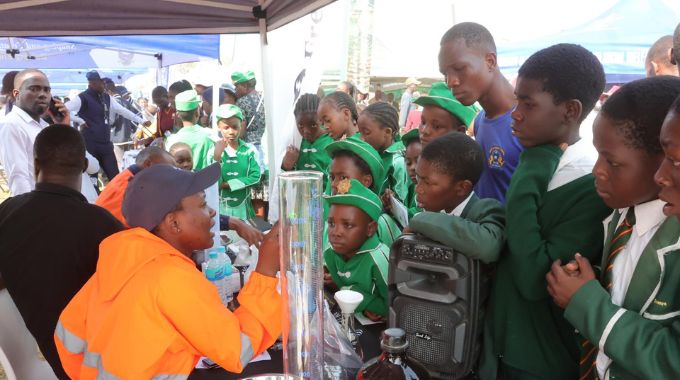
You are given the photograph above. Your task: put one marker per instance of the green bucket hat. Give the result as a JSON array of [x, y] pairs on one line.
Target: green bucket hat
[[410, 135], [367, 153], [187, 101], [441, 96], [240, 77], [351, 192], [226, 111]]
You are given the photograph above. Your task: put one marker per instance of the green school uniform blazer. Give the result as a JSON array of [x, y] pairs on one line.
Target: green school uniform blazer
[[396, 177], [528, 331], [477, 232], [642, 337]]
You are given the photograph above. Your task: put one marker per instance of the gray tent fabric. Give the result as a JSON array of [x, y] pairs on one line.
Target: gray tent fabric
[[24, 18]]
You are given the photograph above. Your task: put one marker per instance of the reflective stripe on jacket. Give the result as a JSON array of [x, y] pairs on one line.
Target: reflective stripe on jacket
[[148, 313]]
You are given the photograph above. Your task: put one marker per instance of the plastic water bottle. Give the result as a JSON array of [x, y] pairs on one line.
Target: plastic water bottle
[[230, 287], [215, 273]]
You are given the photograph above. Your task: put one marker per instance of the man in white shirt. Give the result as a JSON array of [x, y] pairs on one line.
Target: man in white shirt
[[20, 127], [95, 107]]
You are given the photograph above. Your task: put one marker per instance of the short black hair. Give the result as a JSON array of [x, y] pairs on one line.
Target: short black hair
[[158, 91], [456, 155], [385, 115], [639, 108], [306, 103], [180, 86], [60, 150], [568, 71], [8, 82], [176, 147], [341, 100], [475, 36], [191, 116], [659, 51], [358, 161], [149, 153]]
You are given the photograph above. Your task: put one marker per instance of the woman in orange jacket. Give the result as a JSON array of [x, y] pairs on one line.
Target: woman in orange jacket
[[147, 311]]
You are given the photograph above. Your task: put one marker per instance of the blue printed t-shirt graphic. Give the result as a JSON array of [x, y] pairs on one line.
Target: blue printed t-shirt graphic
[[501, 150]]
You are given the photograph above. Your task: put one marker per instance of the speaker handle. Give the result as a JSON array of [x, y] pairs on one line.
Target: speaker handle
[[451, 272]]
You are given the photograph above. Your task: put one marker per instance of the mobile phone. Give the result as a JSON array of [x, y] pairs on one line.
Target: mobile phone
[[56, 114]]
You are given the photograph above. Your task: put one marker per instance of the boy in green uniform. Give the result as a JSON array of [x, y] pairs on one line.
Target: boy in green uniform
[[442, 113], [379, 126], [447, 170], [239, 164], [552, 211], [629, 317], [312, 153], [354, 159], [357, 260], [411, 141], [192, 134]]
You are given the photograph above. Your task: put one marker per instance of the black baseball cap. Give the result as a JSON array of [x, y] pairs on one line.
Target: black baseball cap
[[156, 190], [92, 75]]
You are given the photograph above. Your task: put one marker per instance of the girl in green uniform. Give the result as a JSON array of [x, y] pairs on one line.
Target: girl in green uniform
[[240, 170], [338, 113]]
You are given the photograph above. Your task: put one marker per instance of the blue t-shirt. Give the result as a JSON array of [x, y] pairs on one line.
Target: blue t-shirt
[[501, 152]]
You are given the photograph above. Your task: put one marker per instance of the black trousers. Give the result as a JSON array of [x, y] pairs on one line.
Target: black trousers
[[103, 152]]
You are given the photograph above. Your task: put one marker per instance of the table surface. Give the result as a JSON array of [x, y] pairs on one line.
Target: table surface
[[369, 340]]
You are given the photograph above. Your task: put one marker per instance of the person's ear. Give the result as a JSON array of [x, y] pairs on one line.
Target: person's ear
[[347, 113], [491, 61], [86, 163], [171, 223], [673, 62], [36, 168], [372, 228], [573, 111], [655, 68], [147, 163], [15, 93], [463, 188], [366, 180]]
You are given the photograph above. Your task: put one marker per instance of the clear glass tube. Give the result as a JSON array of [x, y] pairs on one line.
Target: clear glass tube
[[301, 221]]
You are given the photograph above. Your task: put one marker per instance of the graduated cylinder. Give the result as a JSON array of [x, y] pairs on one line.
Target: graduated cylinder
[[301, 221]]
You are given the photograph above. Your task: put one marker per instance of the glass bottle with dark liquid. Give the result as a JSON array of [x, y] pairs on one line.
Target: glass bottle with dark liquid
[[393, 363]]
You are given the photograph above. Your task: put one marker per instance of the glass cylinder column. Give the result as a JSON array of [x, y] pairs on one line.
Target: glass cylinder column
[[301, 221]]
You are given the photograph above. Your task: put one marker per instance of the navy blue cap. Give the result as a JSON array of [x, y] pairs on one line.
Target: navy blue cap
[[158, 189], [93, 75]]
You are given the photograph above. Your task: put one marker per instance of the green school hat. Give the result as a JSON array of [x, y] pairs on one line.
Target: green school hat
[[367, 153], [187, 101], [410, 135], [441, 96], [240, 77], [351, 192], [226, 111]]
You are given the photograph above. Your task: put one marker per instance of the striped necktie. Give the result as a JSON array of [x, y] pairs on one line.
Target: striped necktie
[[618, 244]]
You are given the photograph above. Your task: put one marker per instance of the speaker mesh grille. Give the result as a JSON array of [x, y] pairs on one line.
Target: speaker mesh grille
[[430, 329]]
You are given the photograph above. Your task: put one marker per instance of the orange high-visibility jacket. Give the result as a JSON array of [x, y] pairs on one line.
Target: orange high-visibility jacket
[[111, 198], [147, 311]]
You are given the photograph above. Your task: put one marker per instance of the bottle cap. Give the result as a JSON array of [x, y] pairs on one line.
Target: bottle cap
[[212, 254], [394, 340]]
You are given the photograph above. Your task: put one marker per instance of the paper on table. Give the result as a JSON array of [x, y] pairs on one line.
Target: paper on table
[[364, 320], [399, 211], [261, 357]]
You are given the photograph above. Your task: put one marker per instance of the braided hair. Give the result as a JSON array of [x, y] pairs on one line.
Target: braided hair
[[307, 103], [385, 115], [342, 100]]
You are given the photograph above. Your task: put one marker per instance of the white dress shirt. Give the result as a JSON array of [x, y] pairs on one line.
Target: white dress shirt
[[576, 161], [115, 108], [648, 219], [87, 187], [17, 135]]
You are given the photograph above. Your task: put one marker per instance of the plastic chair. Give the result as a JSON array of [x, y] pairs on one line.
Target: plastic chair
[[18, 349]]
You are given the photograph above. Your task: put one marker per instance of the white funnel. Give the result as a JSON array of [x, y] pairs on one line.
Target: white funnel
[[348, 300]]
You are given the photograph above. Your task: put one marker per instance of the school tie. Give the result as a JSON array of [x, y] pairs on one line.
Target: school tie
[[618, 244]]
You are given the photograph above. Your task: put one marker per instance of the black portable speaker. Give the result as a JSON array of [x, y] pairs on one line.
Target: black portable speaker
[[438, 297]]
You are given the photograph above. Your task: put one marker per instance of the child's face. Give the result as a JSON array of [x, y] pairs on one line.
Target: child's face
[[467, 71], [348, 228], [183, 159], [308, 126], [411, 159], [624, 176], [436, 191], [342, 168], [668, 175], [537, 120], [229, 128], [371, 132], [336, 121], [436, 122]]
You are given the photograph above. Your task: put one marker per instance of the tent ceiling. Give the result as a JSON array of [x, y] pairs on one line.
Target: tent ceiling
[[25, 18]]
